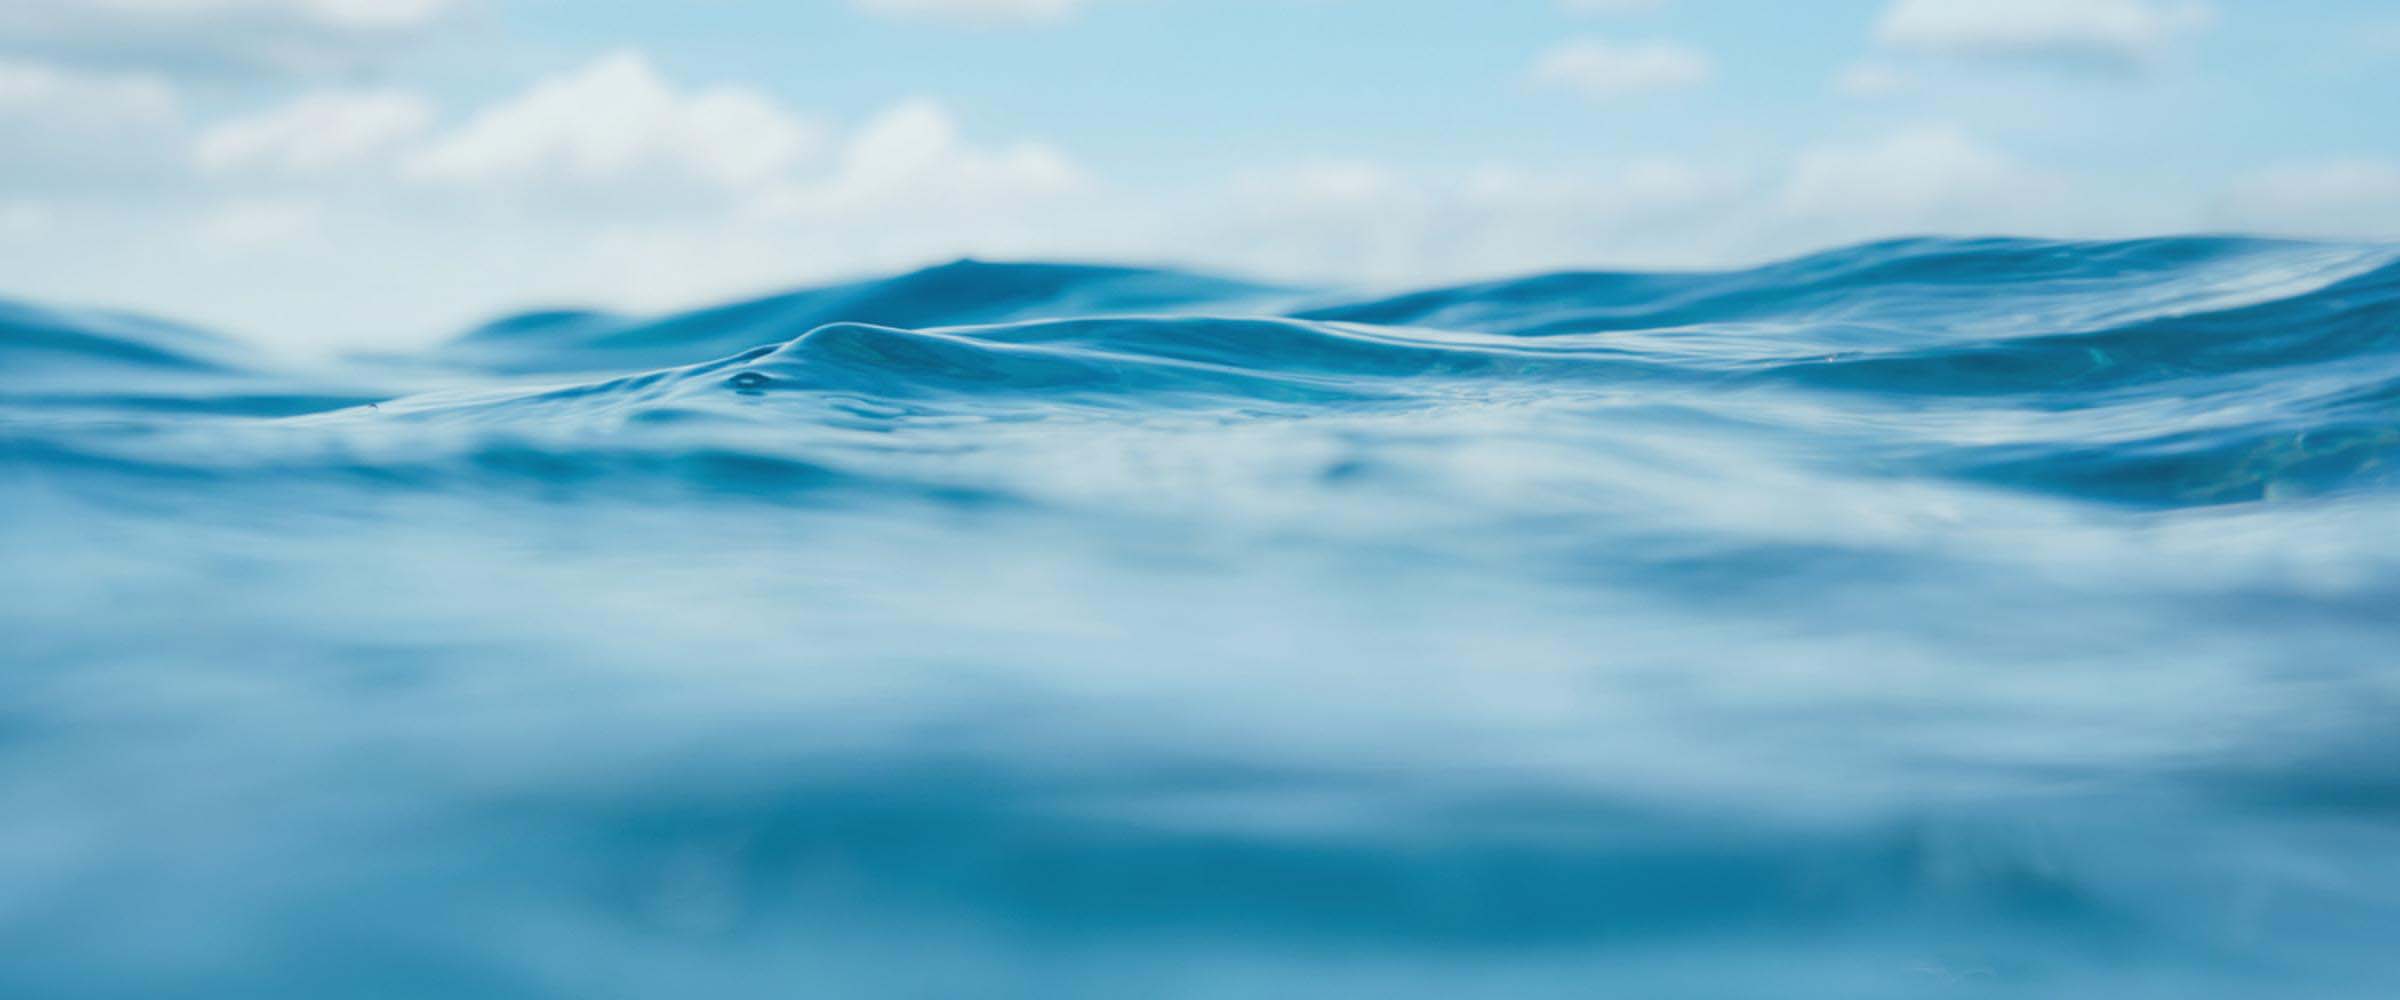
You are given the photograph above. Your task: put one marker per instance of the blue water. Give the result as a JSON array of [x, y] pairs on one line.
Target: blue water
[[1927, 618]]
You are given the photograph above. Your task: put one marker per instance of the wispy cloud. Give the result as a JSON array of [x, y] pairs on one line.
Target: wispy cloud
[[2357, 197], [316, 132], [974, 12], [1601, 69], [66, 94], [2113, 36], [1613, 6], [1931, 178], [216, 37], [74, 127], [617, 119], [1874, 80]]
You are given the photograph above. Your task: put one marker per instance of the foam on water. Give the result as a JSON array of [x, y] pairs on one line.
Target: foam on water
[[1926, 618]]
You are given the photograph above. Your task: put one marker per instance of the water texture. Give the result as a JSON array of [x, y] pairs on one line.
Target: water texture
[[1926, 618]]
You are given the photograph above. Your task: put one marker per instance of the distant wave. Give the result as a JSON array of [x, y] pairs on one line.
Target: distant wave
[[949, 295], [2160, 372], [38, 340], [2154, 372]]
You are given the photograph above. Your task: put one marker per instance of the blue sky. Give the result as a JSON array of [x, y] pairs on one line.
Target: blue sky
[[328, 174]]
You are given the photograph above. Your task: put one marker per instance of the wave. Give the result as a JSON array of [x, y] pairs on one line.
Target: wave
[[961, 292], [1997, 611], [2166, 372], [2184, 372], [1900, 289], [46, 340], [2159, 373], [78, 368]]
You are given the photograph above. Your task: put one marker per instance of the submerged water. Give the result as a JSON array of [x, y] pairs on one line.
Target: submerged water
[[1929, 618]]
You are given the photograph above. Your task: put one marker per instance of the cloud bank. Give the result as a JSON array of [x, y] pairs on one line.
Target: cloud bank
[[1603, 70], [2111, 36], [349, 210]]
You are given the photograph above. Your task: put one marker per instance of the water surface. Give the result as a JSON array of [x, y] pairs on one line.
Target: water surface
[[1926, 618]]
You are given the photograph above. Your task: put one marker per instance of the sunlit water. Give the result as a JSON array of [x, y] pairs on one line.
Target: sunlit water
[[1934, 618]]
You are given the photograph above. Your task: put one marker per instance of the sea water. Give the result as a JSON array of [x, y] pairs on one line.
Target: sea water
[[1927, 618]]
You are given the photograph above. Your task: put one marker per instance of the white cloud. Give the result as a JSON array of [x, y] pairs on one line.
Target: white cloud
[[616, 185], [617, 120], [974, 12], [2381, 38], [316, 133], [2101, 35], [913, 159], [31, 90], [371, 14], [1929, 180], [612, 184], [256, 224], [77, 128], [904, 188], [1602, 69], [618, 124], [1309, 220], [218, 36], [1612, 6], [24, 218], [1350, 220], [2348, 198], [1874, 80]]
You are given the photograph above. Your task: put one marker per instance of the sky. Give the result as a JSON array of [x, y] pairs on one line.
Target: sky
[[335, 175]]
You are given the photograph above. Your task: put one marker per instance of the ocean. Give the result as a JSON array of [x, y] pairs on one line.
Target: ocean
[[1939, 617]]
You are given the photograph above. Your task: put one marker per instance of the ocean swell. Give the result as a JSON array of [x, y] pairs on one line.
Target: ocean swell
[[1924, 618]]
